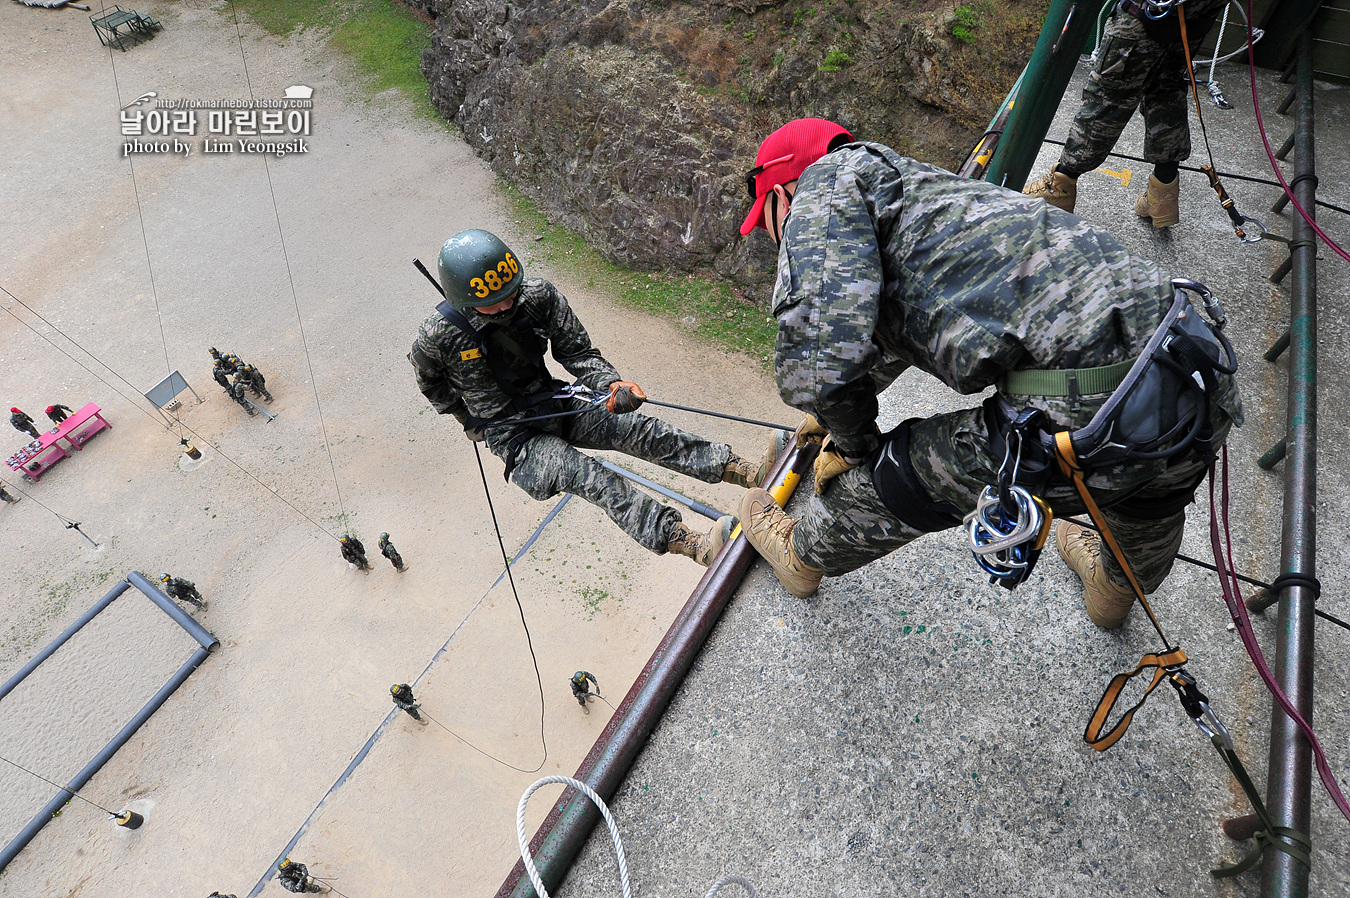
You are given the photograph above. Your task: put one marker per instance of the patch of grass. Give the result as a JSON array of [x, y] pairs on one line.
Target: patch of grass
[[383, 38], [835, 60], [703, 306], [966, 20], [282, 17], [386, 41]]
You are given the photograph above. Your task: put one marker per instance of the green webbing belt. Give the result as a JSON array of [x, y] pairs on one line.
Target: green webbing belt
[[1051, 382], [1280, 837]]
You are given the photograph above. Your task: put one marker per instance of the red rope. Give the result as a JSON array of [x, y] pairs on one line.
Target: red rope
[[1232, 596], [1274, 166]]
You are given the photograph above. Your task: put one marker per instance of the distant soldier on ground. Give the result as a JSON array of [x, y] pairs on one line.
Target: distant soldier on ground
[[6, 496], [22, 423], [182, 590], [295, 877], [388, 551], [237, 391], [354, 552], [254, 380], [403, 697], [227, 361], [58, 413], [581, 682], [221, 373]]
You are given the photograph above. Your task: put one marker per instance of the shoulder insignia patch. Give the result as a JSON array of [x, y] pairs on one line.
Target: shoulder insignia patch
[[468, 354]]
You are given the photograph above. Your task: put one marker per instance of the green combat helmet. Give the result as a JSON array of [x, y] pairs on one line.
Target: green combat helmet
[[477, 269]]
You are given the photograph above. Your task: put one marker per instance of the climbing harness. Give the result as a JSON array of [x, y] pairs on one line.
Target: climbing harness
[[1182, 359]]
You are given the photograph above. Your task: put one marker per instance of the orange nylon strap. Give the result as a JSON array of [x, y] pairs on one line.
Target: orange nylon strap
[[1161, 663], [1158, 662], [1068, 463]]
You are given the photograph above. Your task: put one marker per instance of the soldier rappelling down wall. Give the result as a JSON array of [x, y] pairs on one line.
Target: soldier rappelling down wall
[[480, 357]]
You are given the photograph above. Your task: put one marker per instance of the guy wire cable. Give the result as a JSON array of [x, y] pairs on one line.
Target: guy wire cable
[[1223, 174], [135, 190], [70, 523], [285, 257], [204, 440]]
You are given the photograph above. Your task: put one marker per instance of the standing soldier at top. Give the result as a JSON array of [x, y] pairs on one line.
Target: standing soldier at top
[[1141, 64], [480, 357]]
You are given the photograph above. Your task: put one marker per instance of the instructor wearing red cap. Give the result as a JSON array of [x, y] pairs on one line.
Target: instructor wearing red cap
[[23, 423]]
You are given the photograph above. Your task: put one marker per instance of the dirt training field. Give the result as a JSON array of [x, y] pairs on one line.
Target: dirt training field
[[299, 263]]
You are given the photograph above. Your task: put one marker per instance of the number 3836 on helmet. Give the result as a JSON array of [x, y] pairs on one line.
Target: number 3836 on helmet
[[477, 269]]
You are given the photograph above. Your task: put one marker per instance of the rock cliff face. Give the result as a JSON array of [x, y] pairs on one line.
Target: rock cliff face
[[634, 122]]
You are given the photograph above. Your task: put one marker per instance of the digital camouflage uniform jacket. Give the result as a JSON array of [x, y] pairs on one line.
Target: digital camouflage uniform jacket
[[888, 263], [458, 381]]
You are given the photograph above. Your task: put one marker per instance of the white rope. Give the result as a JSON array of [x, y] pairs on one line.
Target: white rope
[[599, 803], [728, 880], [1257, 34], [613, 833]]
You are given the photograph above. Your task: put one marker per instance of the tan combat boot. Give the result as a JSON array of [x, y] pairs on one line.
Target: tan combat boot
[[702, 547], [1108, 603], [769, 530], [1159, 202], [743, 472], [1056, 188]]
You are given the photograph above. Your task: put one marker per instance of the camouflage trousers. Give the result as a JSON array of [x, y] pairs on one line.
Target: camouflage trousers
[[1133, 71], [551, 465], [850, 526]]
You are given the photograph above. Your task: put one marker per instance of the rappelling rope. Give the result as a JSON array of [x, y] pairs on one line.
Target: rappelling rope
[[1237, 218], [510, 578], [599, 802], [140, 214], [295, 299]]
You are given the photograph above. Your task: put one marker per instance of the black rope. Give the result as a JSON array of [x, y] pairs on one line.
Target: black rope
[[285, 256], [1280, 582], [510, 578], [59, 786], [477, 749]]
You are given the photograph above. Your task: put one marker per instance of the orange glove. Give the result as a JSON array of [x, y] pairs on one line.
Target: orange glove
[[624, 397]]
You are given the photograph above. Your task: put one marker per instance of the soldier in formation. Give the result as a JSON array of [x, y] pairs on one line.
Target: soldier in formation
[[182, 590], [480, 357], [238, 392], [388, 551], [253, 380], [887, 263], [1141, 64], [354, 552]]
